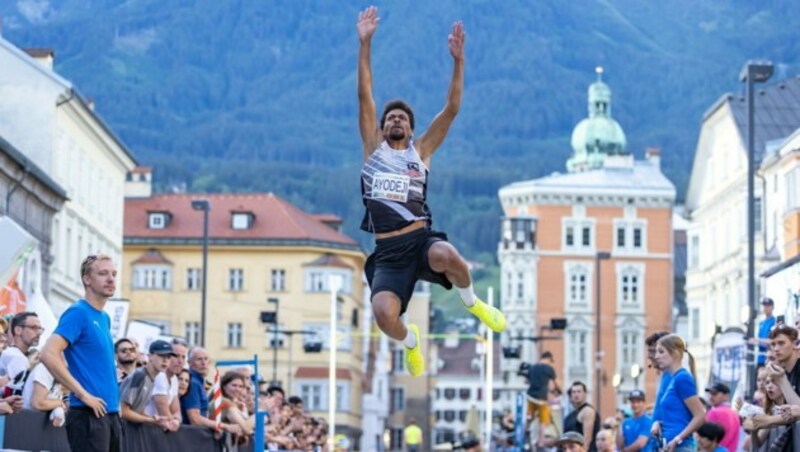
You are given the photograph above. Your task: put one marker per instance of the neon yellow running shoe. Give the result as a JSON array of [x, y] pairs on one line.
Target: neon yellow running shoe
[[489, 315], [415, 362]]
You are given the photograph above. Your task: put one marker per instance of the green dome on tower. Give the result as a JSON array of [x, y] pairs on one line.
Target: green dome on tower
[[599, 134]]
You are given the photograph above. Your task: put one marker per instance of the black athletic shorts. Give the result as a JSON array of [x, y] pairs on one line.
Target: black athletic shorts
[[399, 262]]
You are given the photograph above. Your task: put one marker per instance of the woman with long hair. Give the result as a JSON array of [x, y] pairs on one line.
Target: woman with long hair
[[768, 428], [233, 387], [678, 412]]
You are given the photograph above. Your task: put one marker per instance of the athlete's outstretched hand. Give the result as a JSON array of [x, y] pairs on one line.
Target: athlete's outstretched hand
[[367, 23], [456, 41]]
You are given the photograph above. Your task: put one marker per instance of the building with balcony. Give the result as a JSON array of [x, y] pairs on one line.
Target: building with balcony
[[593, 246]]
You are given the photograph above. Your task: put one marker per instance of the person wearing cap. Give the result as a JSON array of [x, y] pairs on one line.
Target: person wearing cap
[[764, 327], [164, 401], [571, 442], [722, 414], [136, 390], [636, 429]]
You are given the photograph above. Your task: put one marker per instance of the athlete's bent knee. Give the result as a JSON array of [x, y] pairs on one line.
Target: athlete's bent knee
[[386, 307], [442, 256]]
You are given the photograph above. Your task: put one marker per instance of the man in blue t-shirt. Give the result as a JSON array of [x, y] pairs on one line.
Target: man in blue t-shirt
[[83, 336], [764, 327], [636, 430], [194, 405]]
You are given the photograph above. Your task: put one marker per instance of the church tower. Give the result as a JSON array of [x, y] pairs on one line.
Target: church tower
[[599, 135]]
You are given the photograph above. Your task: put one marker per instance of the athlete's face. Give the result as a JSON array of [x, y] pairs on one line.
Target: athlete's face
[[397, 125]]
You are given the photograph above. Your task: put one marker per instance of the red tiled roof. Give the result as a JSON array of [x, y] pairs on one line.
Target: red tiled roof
[[327, 260], [142, 170], [152, 257], [275, 218], [322, 372]]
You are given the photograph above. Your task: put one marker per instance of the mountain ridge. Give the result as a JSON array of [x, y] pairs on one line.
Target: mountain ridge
[[260, 96]]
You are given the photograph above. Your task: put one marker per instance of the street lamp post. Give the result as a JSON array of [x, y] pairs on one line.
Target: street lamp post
[[752, 72], [275, 341], [334, 283], [205, 206], [600, 256]]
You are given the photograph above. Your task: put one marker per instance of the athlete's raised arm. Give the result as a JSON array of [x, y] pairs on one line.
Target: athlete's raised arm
[[366, 26], [433, 137]]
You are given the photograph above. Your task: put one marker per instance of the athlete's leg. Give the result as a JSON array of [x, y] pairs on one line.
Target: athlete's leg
[[444, 258], [386, 308]]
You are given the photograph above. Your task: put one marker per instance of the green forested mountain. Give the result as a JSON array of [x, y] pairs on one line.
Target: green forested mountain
[[239, 95]]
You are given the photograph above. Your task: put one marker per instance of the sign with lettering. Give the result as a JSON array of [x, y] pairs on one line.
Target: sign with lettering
[[117, 309], [729, 357], [393, 187]]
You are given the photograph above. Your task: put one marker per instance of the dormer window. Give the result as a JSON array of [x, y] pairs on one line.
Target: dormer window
[[157, 220], [242, 220]]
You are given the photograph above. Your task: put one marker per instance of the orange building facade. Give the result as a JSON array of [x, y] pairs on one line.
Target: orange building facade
[[604, 229]]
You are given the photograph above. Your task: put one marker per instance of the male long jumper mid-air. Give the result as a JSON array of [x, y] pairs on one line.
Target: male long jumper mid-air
[[394, 181]]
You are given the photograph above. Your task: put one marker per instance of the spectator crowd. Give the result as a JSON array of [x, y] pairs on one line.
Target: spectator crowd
[[682, 418], [87, 383], [168, 387]]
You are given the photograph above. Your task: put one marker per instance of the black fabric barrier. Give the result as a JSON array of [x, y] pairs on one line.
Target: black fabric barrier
[[32, 430]]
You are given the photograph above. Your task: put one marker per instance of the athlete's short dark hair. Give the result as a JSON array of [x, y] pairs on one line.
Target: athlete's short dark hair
[[398, 104]]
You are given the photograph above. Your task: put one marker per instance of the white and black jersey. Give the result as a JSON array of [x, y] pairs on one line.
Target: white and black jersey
[[394, 186]]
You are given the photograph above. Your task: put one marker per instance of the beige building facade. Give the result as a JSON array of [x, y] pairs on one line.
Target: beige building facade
[[264, 255]]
